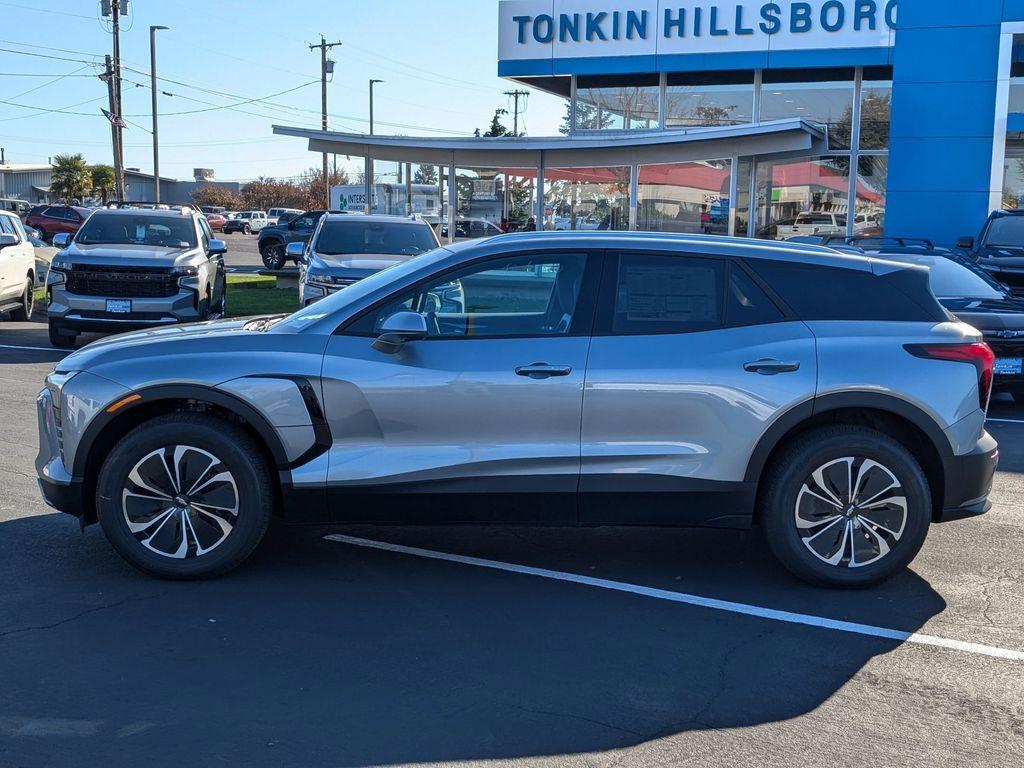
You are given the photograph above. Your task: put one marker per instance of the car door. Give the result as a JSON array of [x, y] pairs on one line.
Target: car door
[[15, 260], [488, 405], [215, 263], [690, 363], [301, 228]]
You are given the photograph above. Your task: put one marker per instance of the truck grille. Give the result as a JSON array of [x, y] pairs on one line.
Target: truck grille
[[122, 282]]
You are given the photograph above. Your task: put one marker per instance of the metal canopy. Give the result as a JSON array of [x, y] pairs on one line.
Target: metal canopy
[[776, 138]]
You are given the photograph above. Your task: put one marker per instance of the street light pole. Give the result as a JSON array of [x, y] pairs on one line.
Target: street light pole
[[156, 135], [368, 171]]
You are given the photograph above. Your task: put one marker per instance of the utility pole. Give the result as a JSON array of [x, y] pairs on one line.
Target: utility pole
[[368, 172], [115, 20], [324, 46], [114, 117], [156, 139], [515, 119]]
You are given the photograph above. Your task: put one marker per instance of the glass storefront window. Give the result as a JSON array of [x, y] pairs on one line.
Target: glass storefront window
[[869, 214], [691, 198], [803, 197], [1013, 182], [613, 102], [875, 102], [709, 99], [586, 198], [818, 96], [491, 201]]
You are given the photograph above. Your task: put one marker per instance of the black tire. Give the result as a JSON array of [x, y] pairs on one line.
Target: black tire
[[222, 305], [24, 312], [274, 256], [790, 474], [251, 489], [42, 234], [1018, 397], [61, 339], [246, 229]]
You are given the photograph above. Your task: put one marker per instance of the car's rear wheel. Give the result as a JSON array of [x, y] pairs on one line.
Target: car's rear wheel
[[1018, 397], [845, 506], [185, 496], [61, 339], [274, 256], [28, 302], [246, 229]]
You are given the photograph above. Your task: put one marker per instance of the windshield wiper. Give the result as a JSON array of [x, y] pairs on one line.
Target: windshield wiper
[[263, 323]]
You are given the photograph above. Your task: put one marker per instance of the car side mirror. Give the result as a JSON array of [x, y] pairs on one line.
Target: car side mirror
[[61, 240], [967, 243], [32, 233], [218, 247], [295, 250], [7, 239], [398, 329]]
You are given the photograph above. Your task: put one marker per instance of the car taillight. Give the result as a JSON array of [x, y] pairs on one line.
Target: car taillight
[[979, 354]]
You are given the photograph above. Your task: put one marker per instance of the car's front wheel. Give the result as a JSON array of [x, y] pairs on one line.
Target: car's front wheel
[[185, 496], [845, 506], [274, 256], [61, 339], [246, 229]]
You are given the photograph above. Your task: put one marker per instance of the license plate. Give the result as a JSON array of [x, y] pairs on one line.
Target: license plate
[[1009, 366], [119, 306]]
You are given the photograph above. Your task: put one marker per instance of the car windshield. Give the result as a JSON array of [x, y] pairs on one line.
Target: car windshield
[[341, 238], [954, 279], [140, 229], [1006, 231]]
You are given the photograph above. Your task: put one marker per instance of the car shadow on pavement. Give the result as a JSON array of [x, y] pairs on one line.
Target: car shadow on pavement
[[319, 653]]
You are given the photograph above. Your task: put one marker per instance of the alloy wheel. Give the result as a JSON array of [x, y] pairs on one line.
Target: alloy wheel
[[851, 512], [180, 501]]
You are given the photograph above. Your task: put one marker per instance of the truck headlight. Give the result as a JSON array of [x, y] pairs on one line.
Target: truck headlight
[[58, 272], [187, 276]]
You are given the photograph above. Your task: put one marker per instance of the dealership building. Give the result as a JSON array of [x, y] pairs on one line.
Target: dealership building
[[764, 119]]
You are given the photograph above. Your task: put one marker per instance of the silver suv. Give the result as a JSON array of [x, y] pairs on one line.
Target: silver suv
[[345, 248], [133, 268], [551, 379]]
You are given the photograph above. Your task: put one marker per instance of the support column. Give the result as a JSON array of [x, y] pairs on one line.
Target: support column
[[734, 187], [634, 186], [453, 201], [539, 210], [368, 183]]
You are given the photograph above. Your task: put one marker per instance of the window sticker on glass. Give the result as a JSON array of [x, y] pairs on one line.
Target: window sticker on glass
[[660, 292]]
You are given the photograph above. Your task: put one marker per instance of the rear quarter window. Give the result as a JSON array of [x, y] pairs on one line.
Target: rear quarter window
[[817, 292]]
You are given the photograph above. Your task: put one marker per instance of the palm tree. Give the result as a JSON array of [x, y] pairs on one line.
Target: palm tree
[[71, 178], [103, 181]]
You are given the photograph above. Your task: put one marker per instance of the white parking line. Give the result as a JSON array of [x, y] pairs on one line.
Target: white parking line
[[1006, 421], [696, 600], [36, 349]]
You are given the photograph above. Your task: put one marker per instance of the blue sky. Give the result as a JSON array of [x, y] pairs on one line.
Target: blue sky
[[439, 61]]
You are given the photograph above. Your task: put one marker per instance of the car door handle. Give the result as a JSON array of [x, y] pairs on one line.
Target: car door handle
[[770, 367], [543, 370]]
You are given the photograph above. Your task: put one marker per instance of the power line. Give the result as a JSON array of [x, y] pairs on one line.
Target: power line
[[47, 56], [44, 85], [46, 10]]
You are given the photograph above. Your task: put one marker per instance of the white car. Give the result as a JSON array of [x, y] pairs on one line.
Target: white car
[[814, 223], [274, 214], [17, 268], [247, 222]]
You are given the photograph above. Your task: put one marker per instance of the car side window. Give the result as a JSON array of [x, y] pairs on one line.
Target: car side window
[[504, 297], [659, 294], [746, 303], [6, 226], [206, 234]]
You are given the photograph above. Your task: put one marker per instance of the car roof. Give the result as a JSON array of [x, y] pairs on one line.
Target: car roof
[[383, 218], [157, 212], [707, 245]]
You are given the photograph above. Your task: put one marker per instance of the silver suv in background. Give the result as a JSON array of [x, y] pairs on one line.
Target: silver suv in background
[[131, 268], [346, 248], [551, 379]]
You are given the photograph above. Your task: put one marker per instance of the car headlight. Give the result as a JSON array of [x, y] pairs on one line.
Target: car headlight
[[324, 280], [186, 275]]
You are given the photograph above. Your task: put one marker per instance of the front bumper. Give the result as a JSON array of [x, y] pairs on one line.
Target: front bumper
[[58, 487], [969, 481], [75, 312]]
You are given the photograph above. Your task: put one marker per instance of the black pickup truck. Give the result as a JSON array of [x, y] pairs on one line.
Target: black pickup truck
[[273, 239], [999, 249]]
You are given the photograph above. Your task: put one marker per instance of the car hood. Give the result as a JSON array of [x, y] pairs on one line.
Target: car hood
[[125, 343], [125, 255], [358, 265], [988, 314]]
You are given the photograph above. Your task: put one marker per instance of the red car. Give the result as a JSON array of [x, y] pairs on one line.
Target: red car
[[216, 221], [51, 219]]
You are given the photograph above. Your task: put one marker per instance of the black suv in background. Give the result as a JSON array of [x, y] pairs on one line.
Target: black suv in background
[[274, 238], [999, 249]]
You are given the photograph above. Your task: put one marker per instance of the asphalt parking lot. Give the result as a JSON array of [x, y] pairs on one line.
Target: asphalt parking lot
[[485, 646]]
